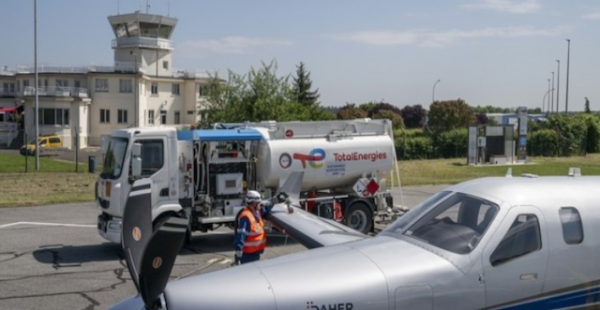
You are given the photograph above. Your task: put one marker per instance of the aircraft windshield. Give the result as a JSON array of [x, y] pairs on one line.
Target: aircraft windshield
[[115, 155], [456, 223]]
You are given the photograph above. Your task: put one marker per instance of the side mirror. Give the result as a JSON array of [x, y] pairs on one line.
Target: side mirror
[[136, 150], [136, 161], [104, 140], [136, 167]]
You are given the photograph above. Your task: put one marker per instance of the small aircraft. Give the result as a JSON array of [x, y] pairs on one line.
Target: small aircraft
[[493, 243]]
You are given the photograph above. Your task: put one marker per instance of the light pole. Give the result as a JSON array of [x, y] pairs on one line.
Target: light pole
[[568, 56], [37, 99], [135, 95], [552, 100], [557, 85], [433, 91], [544, 99], [548, 101]]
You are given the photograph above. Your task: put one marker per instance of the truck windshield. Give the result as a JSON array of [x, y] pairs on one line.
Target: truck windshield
[[115, 155], [456, 223]]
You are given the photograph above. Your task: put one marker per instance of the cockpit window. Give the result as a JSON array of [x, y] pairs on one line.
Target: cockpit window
[[400, 225], [456, 224]]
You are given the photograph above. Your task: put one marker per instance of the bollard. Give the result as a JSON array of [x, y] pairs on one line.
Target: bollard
[[92, 164]]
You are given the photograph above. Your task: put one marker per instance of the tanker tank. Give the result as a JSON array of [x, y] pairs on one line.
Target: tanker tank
[[327, 163]]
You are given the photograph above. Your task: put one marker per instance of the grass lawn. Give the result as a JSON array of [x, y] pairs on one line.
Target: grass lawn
[[452, 171], [58, 183]]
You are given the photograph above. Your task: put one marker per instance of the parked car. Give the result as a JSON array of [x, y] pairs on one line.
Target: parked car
[[45, 142]]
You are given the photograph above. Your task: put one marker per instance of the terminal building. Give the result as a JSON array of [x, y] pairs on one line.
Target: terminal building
[[140, 89]]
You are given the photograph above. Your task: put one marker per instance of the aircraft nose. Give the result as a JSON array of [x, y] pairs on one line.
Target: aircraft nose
[[242, 287]]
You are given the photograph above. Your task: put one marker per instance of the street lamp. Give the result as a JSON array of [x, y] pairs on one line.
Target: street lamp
[[568, 56], [557, 85], [37, 99], [544, 99], [433, 91], [552, 100], [548, 101], [135, 95]]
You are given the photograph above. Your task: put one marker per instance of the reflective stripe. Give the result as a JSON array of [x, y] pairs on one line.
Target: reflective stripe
[[255, 243]]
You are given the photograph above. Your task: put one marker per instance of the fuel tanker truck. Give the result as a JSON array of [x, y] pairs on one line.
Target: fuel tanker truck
[[203, 174]]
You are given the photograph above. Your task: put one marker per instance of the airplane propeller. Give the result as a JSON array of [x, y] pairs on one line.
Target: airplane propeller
[[150, 255]]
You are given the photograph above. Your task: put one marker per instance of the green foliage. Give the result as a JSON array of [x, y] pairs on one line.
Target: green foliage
[[368, 106], [260, 95], [301, 88], [491, 109], [543, 142], [397, 121], [451, 143], [444, 115], [413, 148], [350, 111]]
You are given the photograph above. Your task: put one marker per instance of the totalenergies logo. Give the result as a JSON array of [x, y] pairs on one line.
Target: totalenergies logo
[[315, 156]]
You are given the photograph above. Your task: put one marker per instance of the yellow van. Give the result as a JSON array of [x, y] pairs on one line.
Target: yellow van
[[45, 142]]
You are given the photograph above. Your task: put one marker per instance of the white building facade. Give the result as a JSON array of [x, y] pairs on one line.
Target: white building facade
[[141, 88]]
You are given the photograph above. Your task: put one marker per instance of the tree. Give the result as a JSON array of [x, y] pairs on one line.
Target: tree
[[256, 96], [396, 119], [444, 115], [301, 88], [385, 106], [587, 106], [414, 116], [351, 111]]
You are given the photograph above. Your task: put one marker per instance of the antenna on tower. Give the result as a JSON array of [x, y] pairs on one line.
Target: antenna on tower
[[147, 6], [168, 8]]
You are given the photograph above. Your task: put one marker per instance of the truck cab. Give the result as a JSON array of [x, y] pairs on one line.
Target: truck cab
[[115, 179]]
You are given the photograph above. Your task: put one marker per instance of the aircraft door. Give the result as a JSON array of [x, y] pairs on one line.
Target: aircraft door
[[516, 258]]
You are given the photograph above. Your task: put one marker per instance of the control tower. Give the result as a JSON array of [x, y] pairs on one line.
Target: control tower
[[143, 43]]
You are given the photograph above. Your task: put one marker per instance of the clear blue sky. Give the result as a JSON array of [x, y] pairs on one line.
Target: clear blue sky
[[487, 52]]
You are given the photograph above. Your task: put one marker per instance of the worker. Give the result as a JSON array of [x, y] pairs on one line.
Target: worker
[[250, 239]]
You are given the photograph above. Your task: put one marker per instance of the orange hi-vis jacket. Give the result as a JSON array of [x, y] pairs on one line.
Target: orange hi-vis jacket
[[256, 239]]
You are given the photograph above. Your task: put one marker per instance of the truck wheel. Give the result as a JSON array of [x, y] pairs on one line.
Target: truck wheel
[[358, 217]]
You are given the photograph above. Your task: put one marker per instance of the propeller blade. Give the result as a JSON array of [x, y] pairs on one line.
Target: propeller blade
[[137, 226], [159, 258]]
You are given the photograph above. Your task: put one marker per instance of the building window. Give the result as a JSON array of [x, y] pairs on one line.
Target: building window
[[154, 88], [200, 90], [571, 225], [166, 65], [102, 85], [53, 117], [163, 117], [125, 86], [175, 89], [77, 84], [104, 116], [61, 84], [151, 117], [190, 112], [122, 116], [177, 118], [25, 84]]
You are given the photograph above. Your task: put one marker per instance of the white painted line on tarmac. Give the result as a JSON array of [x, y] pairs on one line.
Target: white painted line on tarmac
[[46, 224]]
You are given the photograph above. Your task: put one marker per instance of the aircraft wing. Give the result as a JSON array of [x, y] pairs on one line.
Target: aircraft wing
[[311, 230], [308, 229]]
